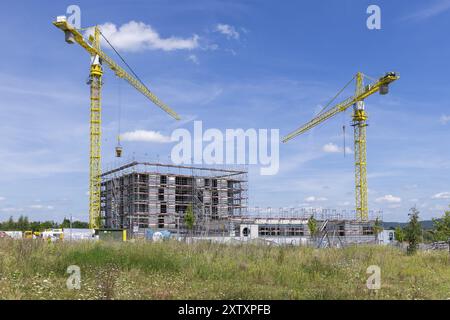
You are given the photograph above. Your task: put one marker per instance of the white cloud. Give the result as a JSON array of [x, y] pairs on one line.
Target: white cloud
[[333, 148], [40, 207], [137, 36], [445, 119], [389, 198], [193, 58], [227, 30], [244, 30], [2, 198], [414, 200], [315, 199], [305, 204], [233, 52], [212, 47], [11, 210], [438, 207], [441, 195], [433, 10], [348, 150], [145, 136]]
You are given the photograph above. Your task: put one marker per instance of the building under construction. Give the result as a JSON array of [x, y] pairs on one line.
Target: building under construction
[[292, 226], [141, 196], [144, 195]]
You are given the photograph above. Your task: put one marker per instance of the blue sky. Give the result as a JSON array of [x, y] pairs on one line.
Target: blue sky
[[231, 64]]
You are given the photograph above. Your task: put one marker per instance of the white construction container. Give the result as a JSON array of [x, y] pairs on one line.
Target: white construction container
[[78, 234], [15, 234]]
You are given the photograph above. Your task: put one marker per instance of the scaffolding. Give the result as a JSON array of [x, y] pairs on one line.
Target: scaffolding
[[335, 228], [141, 195], [318, 213]]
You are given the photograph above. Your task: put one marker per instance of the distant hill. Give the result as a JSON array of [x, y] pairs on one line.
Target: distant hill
[[426, 224]]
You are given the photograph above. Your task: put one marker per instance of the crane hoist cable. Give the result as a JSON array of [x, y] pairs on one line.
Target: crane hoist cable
[[119, 149], [331, 101], [123, 60], [343, 133]]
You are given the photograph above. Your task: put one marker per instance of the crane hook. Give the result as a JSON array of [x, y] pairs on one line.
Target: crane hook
[[118, 148]]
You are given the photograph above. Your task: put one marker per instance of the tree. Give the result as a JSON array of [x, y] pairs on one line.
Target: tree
[[189, 218], [23, 224], [428, 236], [65, 223], [441, 228], [10, 224], [80, 225], [312, 226], [413, 231], [377, 228], [399, 234]]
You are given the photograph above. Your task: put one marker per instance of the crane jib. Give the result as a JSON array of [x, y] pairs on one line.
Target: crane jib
[[119, 71], [344, 105]]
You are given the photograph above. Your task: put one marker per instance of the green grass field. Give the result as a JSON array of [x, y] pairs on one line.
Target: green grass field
[[171, 270]]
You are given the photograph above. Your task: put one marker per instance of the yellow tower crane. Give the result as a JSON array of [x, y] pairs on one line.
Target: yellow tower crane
[[98, 58], [359, 123]]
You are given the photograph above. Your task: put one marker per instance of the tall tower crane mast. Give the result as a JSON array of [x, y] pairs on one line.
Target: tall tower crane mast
[[98, 58], [359, 123]]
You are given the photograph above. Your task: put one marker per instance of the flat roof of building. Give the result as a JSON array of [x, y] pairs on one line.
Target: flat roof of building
[[157, 168]]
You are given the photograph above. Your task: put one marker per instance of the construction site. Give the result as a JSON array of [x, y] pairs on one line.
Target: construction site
[[218, 153], [143, 196], [212, 203]]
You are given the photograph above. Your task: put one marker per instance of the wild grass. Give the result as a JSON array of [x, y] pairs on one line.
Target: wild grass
[[173, 270]]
